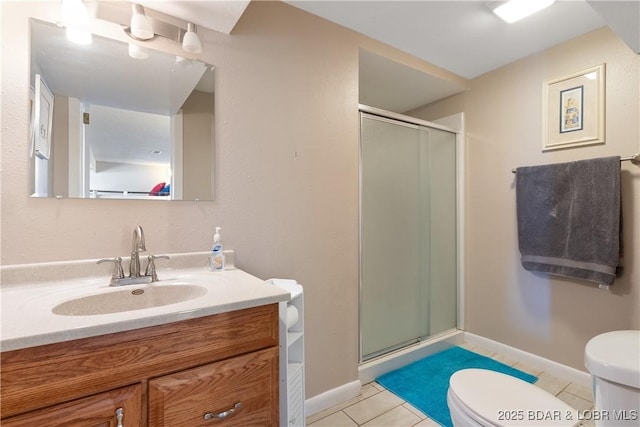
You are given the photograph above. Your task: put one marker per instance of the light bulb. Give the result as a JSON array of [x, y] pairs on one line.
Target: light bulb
[[79, 35], [75, 17], [141, 26], [138, 52], [191, 42]]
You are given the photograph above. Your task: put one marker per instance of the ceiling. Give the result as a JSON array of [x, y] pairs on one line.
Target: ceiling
[[463, 37], [219, 15], [130, 101], [392, 86], [104, 73]]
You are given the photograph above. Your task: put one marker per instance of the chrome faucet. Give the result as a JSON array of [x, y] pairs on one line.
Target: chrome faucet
[[137, 246], [135, 278]]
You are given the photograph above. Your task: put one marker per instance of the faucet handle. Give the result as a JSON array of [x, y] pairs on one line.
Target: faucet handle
[[118, 273], [151, 266]]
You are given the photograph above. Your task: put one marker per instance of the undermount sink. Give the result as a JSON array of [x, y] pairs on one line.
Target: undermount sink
[[129, 299]]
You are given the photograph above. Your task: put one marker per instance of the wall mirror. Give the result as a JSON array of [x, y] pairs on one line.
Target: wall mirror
[[113, 120]]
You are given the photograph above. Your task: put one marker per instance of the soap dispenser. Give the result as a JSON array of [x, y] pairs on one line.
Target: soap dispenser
[[216, 263]]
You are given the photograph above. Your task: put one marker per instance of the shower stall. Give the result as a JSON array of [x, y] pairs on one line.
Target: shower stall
[[408, 231]]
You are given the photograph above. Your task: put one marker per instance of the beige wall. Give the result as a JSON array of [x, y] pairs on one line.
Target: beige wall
[[286, 170], [198, 132], [549, 316]]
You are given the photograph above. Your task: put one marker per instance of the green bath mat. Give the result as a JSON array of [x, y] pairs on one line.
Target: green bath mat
[[424, 383]]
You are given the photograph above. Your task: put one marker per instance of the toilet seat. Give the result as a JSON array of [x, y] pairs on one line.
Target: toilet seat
[[464, 416], [494, 399]]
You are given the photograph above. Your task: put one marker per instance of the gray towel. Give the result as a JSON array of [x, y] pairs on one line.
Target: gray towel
[[569, 219]]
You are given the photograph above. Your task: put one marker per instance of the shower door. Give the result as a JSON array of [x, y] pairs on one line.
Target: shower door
[[408, 262]]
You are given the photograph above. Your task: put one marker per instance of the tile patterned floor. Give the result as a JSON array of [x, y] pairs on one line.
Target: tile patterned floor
[[378, 407]]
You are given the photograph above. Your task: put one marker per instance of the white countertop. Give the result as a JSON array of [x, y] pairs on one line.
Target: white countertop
[[28, 320]]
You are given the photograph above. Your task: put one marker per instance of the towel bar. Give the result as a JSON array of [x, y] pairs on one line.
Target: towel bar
[[635, 159]]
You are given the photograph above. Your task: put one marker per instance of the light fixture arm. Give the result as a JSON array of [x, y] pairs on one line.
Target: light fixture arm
[[127, 30]]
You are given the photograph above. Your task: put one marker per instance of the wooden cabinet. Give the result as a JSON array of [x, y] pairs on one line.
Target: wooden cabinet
[[121, 407], [198, 364], [235, 392]]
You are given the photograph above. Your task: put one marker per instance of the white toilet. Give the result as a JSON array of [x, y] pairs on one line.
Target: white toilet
[[613, 358], [479, 397]]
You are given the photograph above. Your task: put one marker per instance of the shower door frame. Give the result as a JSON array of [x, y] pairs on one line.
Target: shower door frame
[[459, 185]]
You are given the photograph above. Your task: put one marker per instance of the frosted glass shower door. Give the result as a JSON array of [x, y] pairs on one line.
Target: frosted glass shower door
[[401, 194]]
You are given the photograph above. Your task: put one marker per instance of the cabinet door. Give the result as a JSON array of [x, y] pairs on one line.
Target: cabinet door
[[116, 408], [240, 391]]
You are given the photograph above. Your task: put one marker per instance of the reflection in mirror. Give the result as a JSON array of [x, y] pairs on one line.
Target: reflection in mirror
[[119, 127]]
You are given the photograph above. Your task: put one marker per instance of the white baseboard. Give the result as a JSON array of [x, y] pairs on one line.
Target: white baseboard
[[332, 397], [554, 368], [375, 368]]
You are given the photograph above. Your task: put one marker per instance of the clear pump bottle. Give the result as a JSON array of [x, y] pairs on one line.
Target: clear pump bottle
[[216, 263]]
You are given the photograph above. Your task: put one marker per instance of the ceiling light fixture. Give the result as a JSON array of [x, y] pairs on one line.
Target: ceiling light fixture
[[75, 17], [514, 10], [141, 27], [191, 42]]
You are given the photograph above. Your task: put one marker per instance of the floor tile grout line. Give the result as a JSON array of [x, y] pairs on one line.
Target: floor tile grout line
[[420, 415], [359, 401], [377, 391], [347, 415], [381, 414], [348, 406], [564, 389]]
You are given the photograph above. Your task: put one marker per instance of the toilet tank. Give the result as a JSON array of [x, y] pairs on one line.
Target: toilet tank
[[613, 359]]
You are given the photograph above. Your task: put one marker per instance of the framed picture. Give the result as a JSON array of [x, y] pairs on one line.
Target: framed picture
[[42, 118], [573, 109]]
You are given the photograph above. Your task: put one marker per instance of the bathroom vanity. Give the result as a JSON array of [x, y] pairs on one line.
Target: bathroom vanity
[[210, 360]]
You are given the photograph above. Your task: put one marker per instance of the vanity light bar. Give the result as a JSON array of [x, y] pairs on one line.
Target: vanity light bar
[[113, 12]]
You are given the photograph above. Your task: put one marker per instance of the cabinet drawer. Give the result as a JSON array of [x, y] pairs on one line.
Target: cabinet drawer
[[93, 411], [249, 383]]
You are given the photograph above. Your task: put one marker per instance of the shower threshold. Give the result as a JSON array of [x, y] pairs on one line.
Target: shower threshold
[[373, 368]]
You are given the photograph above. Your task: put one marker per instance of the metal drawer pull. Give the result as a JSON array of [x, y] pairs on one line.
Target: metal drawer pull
[[119, 415], [225, 414]]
